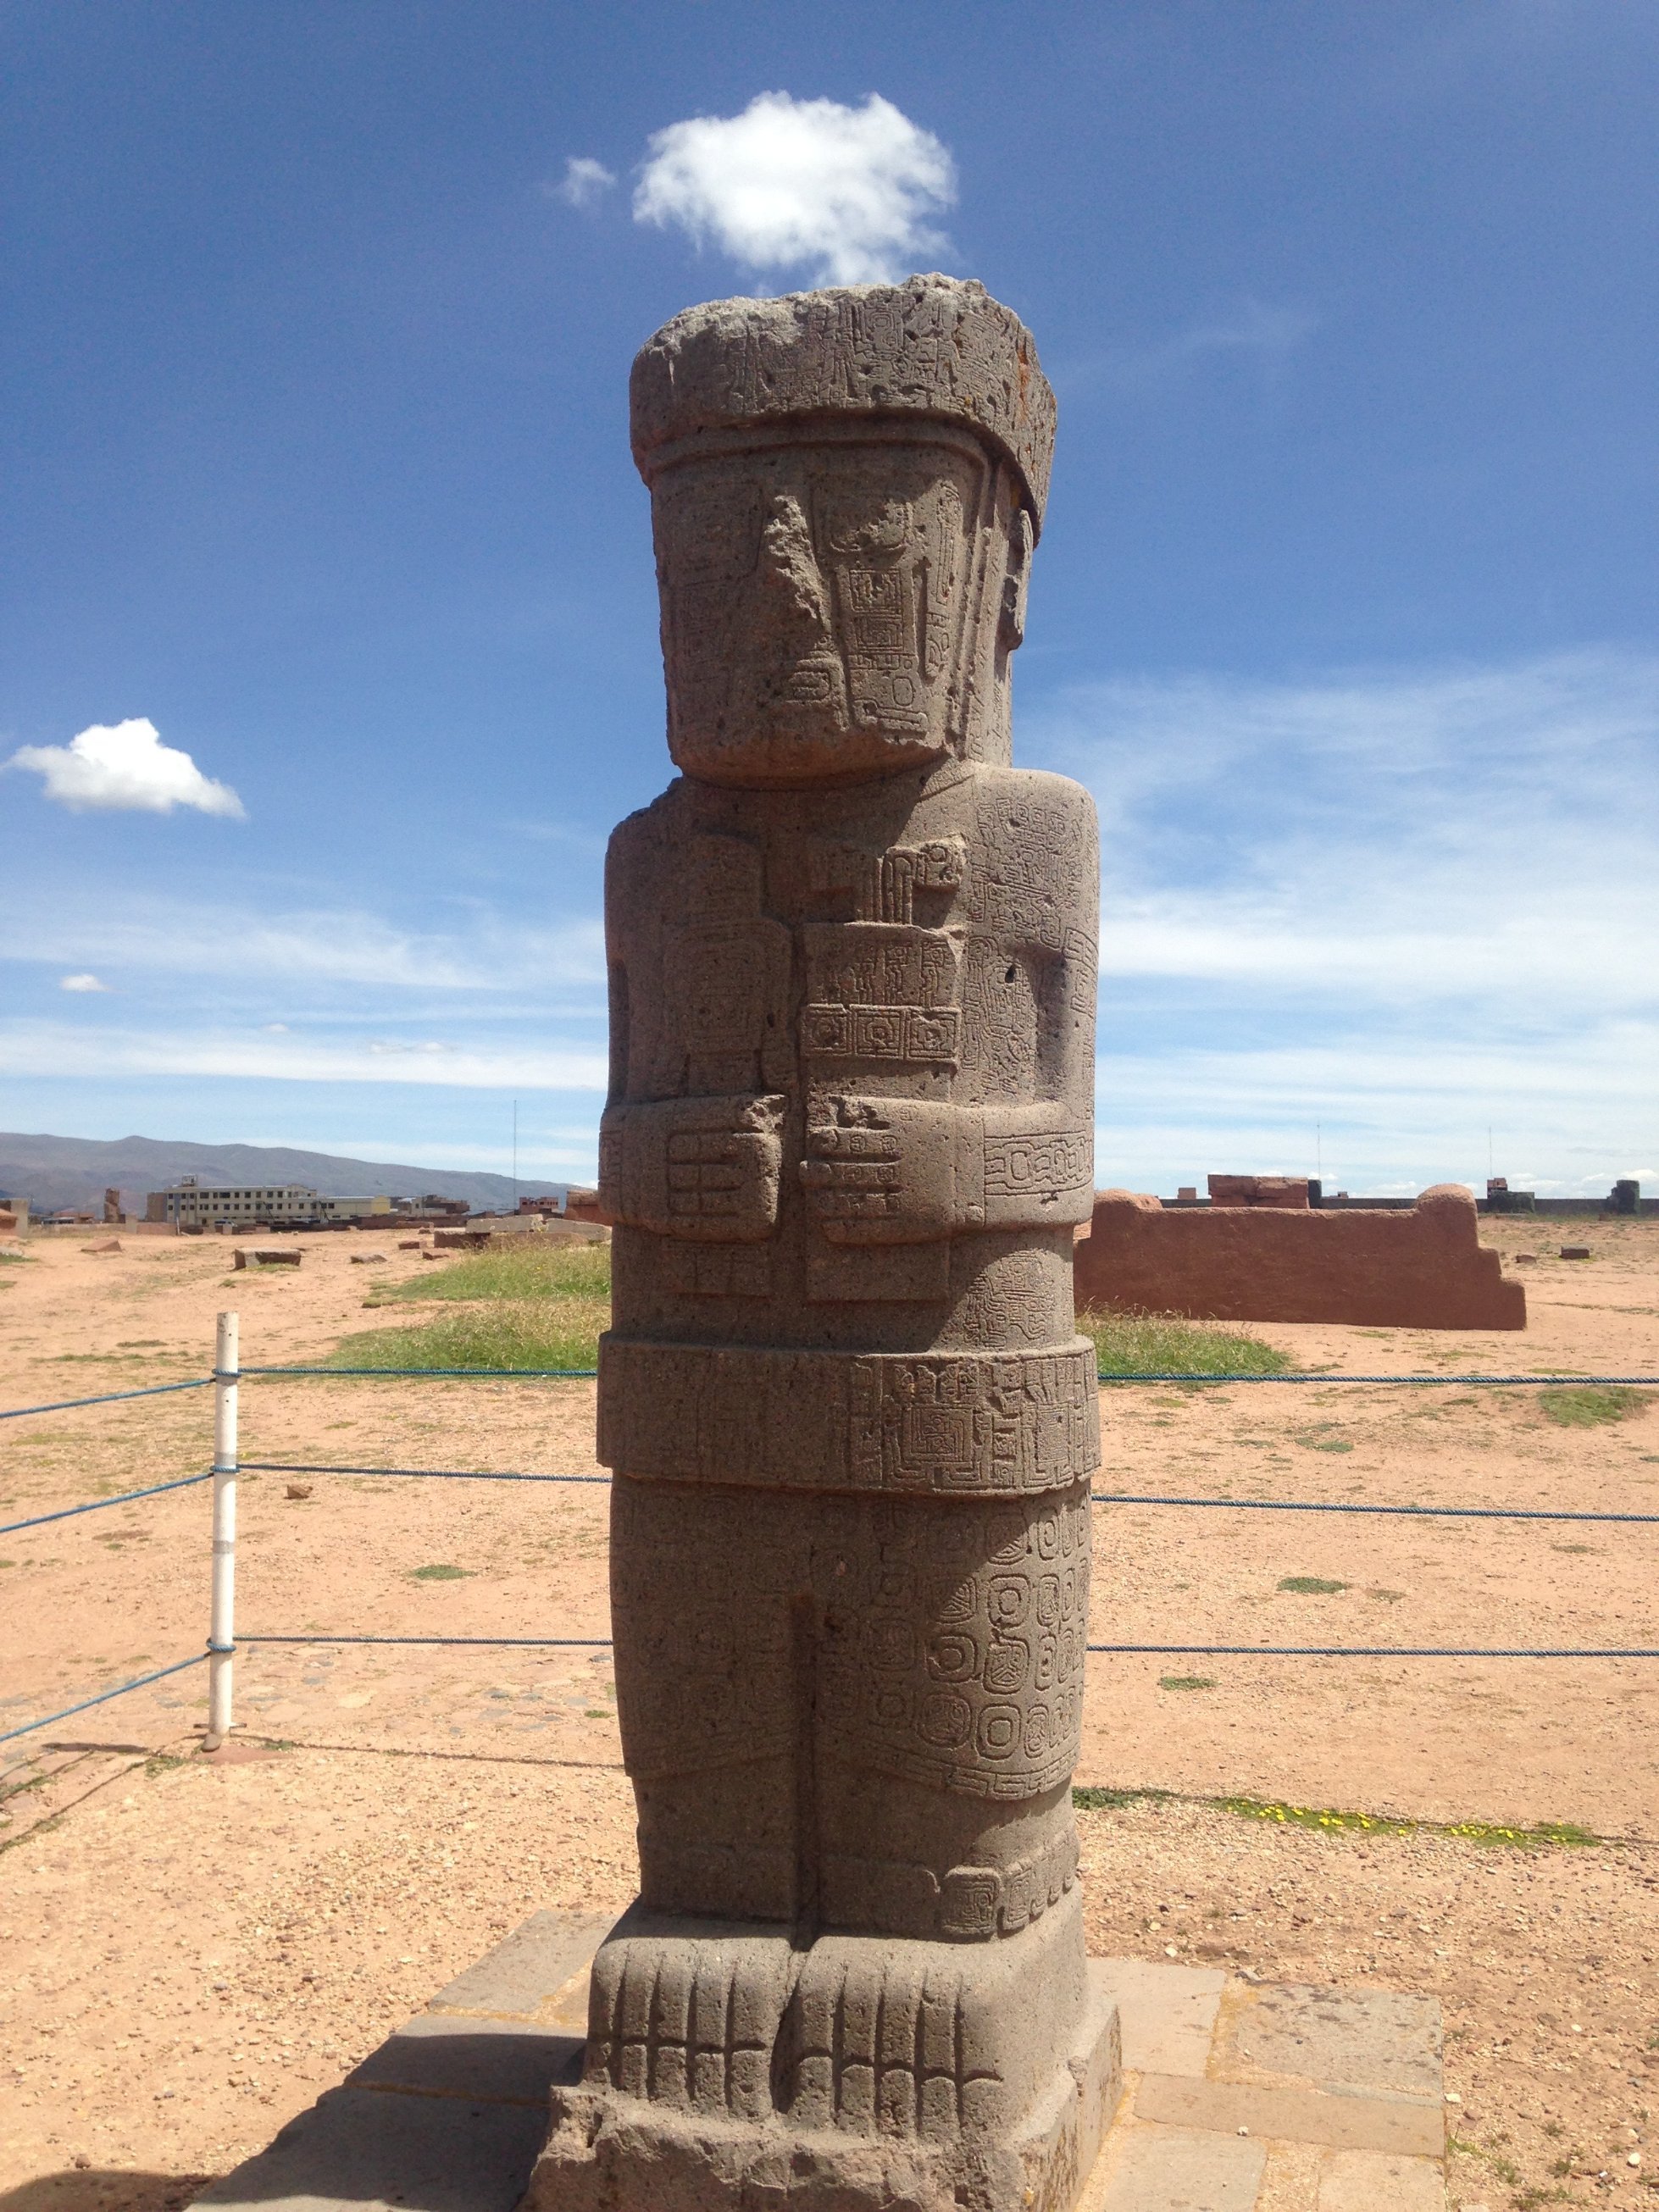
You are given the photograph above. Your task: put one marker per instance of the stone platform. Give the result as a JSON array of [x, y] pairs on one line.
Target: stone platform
[[1239, 2096]]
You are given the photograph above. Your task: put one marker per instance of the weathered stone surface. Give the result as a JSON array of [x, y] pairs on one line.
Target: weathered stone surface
[[1399, 2124], [1368, 2181], [1425, 1268], [1167, 2013], [847, 1140], [1289, 1192], [1354, 2042], [1174, 2170]]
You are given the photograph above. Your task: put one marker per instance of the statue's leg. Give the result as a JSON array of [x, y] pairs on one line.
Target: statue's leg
[[705, 1695]]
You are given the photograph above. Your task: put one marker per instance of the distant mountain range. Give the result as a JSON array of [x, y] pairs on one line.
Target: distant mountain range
[[57, 1171]]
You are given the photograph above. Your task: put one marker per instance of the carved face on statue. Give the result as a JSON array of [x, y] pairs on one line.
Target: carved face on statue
[[836, 607]]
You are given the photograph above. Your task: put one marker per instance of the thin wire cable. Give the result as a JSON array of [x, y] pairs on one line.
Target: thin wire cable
[[1449, 1512], [106, 1398], [1373, 1651], [462, 1374], [104, 1697], [98, 1505], [432, 1473], [490, 1643], [1148, 1375], [1194, 1650], [1415, 1382], [1127, 1497]]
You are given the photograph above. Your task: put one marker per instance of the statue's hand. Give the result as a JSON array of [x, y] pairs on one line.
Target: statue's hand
[[706, 1170], [883, 1171]]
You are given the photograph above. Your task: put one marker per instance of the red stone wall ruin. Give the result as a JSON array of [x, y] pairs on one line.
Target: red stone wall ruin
[[1421, 1269]]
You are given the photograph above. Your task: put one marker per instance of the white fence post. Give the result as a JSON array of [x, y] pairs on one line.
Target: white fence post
[[221, 1629]]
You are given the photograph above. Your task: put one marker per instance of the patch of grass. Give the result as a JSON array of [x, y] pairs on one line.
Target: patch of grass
[[1165, 1344], [1590, 1405], [441, 1574], [529, 1268], [1113, 1801], [1323, 1444], [1186, 1681], [1312, 1586], [513, 1333], [162, 1762], [1329, 1819], [529, 1304]]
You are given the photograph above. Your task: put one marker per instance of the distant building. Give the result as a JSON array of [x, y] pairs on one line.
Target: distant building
[[189, 1204]]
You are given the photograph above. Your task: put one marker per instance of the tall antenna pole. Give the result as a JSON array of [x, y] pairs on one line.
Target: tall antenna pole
[[515, 1156]]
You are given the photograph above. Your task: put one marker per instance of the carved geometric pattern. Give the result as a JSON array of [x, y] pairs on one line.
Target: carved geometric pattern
[[945, 1423]]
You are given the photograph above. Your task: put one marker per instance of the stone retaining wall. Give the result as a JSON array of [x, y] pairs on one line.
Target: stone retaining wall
[[1421, 1269]]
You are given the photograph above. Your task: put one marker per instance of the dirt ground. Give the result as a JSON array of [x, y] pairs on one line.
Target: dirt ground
[[190, 1951]]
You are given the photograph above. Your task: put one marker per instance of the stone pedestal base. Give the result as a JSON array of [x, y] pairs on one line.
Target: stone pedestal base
[[726, 2066]]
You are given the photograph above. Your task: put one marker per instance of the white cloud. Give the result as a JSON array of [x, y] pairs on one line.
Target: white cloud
[[125, 767], [1408, 904], [844, 192], [1253, 331], [1488, 833], [307, 947], [583, 181], [50, 1050], [81, 982]]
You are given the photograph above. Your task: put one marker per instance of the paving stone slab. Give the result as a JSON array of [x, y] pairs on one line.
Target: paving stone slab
[[1365, 2042], [364, 2150], [1167, 2013], [532, 1965], [1366, 2181], [1345, 2123], [503, 2061], [1175, 2170]]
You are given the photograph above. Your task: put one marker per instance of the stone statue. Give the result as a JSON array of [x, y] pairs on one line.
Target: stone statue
[[848, 1137]]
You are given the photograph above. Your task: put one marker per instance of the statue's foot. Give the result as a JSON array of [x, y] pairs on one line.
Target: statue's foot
[[725, 2065]]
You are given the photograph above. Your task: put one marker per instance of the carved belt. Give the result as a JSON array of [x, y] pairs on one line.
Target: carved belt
[[958, 1423]]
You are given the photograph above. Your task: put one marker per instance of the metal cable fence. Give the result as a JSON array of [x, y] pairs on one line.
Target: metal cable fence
[[228, 1374]]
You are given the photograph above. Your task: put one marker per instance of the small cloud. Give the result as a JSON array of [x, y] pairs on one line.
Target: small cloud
[[583, 181], [275, 1028], [1252, 331], [124, 765], [81, 983], [844, 191]]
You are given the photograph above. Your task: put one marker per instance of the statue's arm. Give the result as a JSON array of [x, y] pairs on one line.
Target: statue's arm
[[707, 1168], [904, 1171]]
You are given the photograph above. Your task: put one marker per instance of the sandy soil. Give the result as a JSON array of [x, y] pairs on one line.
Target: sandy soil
[[189, 1951]]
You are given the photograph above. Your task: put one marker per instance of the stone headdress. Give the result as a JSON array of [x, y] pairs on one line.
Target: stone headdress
[[934, 347]]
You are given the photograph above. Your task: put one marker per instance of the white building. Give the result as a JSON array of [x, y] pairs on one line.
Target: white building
[[193, 1204]]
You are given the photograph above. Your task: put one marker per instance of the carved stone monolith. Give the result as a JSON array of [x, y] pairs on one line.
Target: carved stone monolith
[[852, 1425]]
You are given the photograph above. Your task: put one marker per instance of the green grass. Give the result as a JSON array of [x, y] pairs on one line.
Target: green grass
[[441, 1574], [1591, 1407], [1328, 1818], [1312, 1586], [1164, 1344], [529, 1268], [1186, 1681], [1095, 1800], [535, 1304], [529, 1304]]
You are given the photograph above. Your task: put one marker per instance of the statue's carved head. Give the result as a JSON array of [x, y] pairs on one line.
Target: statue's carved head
[[846, 489]]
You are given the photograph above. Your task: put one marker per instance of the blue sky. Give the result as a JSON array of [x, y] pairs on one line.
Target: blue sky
[[313, 411]]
